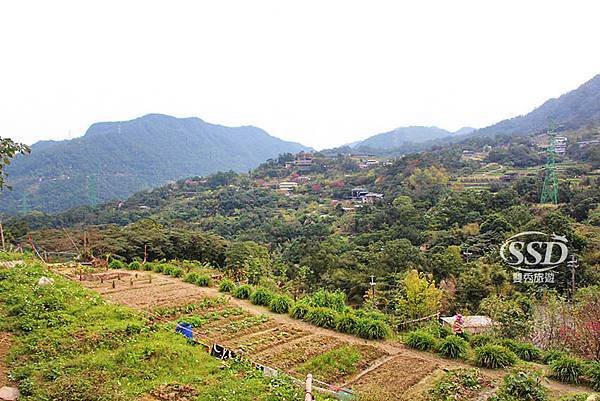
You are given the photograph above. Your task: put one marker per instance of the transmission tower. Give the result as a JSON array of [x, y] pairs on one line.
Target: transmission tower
[[92, 189], [550, 188]]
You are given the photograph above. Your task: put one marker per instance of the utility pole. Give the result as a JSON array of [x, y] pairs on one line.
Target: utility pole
[[550, 188], [372, 284], [573, 264]]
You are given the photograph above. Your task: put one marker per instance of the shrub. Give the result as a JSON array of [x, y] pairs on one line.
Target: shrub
[[575, 397], [593, 374], [373, 329], [456, 385], [347, 323], [334, 300], [261, 296], [522, 386], [176, 272], [525, 351], [167, 269], [281, 304], [567, 369], [116, 264], [552, 355], [202, 280], [322, 317], [148, 266], [191, 278], [452, 347], [421, 340], [300, 310], [226, 285], [438, 330], [158, 267], [135, 265], [493, 356], [243, 291], [477, 340]]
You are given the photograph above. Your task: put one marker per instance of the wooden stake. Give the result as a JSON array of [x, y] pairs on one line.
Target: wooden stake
[[2, 236]]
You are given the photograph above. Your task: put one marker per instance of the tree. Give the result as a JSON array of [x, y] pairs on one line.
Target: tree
[[8, 150], [418, 296], [239, 253]]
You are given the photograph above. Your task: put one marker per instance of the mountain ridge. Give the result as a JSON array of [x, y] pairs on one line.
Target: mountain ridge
[[115, 159]]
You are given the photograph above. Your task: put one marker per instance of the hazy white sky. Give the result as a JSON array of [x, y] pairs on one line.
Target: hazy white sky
[[319, 72]]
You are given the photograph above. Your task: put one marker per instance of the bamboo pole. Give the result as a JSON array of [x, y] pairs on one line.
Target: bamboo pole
[[2, 237]]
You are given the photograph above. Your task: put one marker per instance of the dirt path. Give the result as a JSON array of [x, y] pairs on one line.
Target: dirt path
[[400, 370]]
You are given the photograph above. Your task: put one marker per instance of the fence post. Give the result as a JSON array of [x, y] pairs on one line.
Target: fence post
[[308, 389]]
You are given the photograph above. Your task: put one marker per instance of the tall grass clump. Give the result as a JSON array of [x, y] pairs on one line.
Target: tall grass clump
[[281, 304], [478, 340], [493, 356], [300, 310], [116, 264], [452, 347], [226, 285], [148, 266], [373, 329], [593, 374], [243, 291], [347, 323], [202, 280], [135, 265], [322, 317], [525, 351], [261, 296], [176, 272], [191, 277], [421, 340], [522, 386], [567, 369], [335, 300]]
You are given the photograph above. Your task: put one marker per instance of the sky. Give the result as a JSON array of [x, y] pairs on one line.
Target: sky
[[322, 73]]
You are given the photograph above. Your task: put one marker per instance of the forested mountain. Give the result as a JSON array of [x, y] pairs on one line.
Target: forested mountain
[[406, 135], [575, 109], [115, 159]]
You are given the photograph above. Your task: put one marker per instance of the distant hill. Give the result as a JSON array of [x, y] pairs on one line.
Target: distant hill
[[575, 109], [115, 159], [405, 138]]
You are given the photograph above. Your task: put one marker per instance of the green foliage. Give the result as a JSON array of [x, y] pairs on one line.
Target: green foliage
[[176, 272], [332, 364], [148, 266], [71, 345], [522, 386], [421, 340], [525, 351], [168, 269], [281, 304], [452, 347], [158, 267], [552, 355], [419, 296], [373, 329], [116, 264], [135, 265], [459, 384], [567, 369], [202, 280], [477, 340], [261, 296], [593, 374], [226, 285], [494, 356], [191, 277], [575, 397], [326, 299], [243, 291], [8, 150], [300, 310], [322, 317], [347, 323]]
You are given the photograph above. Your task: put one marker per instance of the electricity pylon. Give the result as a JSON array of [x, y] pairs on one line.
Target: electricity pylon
[[550, 188], [92, 190]]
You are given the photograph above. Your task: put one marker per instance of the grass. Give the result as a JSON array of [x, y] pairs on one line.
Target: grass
[[69, 344], [332, 364]]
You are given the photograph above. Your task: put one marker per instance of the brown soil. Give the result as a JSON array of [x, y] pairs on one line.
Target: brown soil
[[5, 342], [393, 370]]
